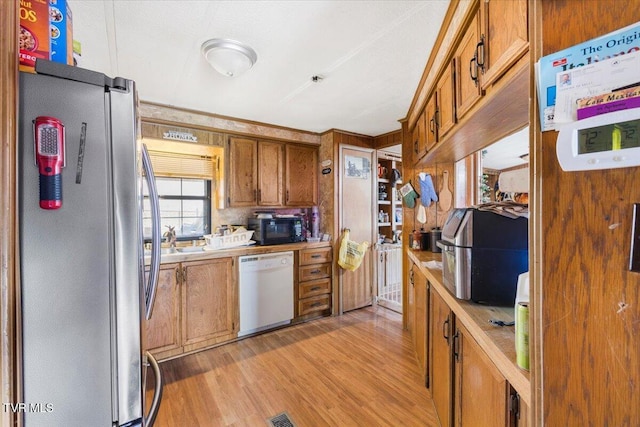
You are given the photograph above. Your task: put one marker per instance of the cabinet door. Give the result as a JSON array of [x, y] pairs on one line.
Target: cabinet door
[[208, 302], [446, 116], [505, 36], [301, 175], [243, 168], [431, 125], [162, 332], [420, 136], [477, 376], [411, 300], [421, 322], [467, 84], [270, 173], [441, 326]]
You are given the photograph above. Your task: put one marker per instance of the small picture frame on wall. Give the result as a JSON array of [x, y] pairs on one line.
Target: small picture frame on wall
[[357, 167]]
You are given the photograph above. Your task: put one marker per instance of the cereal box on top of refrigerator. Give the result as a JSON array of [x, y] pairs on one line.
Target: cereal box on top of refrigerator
[[61, 31], [34, 33]]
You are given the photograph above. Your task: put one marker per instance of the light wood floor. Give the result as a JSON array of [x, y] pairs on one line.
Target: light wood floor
[[358, 369]]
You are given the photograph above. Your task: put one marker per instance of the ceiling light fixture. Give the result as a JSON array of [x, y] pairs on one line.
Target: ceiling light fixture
[[229, 57]]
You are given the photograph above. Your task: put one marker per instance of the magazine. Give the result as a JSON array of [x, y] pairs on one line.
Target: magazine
[[616, 43]]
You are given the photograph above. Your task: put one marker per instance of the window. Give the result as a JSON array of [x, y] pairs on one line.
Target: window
[[185, 204]]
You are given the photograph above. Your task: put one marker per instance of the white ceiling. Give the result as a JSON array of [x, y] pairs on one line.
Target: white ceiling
[[370, 53], [505, 153]]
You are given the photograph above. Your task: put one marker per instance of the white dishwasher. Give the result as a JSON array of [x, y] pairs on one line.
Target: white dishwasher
[[266, 291]]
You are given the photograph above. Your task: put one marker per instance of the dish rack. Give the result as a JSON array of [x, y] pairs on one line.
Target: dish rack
[[228, 241]]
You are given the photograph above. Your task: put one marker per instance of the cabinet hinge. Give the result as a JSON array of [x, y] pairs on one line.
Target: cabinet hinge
[[514, 405]]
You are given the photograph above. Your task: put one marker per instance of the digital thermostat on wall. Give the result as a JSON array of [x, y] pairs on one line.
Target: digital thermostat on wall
[[606, 141]]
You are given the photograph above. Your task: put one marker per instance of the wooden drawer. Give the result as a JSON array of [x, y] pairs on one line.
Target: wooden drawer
[[315, 255], [314, 287], [314, 304], [312, 272]]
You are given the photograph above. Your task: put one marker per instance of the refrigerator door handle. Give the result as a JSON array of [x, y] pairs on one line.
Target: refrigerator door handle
[[151, 287], [157, 393]]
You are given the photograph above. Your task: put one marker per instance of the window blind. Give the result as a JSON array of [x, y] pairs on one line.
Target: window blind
[[185, 160], [179, 165]]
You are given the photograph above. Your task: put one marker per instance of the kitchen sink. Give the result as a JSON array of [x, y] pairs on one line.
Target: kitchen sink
[[188, 249]]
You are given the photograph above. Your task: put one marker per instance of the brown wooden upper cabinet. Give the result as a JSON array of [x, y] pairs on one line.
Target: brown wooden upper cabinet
[[468, 90], [503, 39], [431, 125], [269, 173], [438, 116], [301, 175], [445, 102], [257, 169], [419, 137]]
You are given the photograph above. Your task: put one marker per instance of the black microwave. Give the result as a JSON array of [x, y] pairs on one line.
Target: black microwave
[[276, 231]]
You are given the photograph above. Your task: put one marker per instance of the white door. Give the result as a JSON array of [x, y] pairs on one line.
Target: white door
[[356, 208]]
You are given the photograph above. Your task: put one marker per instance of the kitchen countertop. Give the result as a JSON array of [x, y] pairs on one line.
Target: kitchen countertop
[[498, 342], [168, 258]]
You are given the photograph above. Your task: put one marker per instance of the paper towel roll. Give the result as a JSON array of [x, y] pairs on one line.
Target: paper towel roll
[[516, 181]]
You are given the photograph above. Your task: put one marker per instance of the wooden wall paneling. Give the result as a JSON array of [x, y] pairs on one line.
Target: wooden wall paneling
[[164, 114], [589, 311], [387, 140], [8, 271], [408, 219]]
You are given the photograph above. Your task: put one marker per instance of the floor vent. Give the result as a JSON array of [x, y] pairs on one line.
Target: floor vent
[[281, 420]]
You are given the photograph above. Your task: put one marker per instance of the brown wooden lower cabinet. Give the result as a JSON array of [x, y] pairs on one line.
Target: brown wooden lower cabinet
[[481, 392], [162, 332], [421, 298], [440, 378], [313, 290], [195, 307], [466, 386]]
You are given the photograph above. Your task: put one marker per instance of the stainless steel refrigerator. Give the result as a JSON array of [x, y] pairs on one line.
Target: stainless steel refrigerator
[[83, 290]]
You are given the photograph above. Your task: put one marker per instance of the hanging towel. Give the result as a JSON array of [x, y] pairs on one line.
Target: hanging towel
[[428, 191], [409, 195]]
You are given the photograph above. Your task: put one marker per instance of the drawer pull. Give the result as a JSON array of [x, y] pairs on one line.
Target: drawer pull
[[316, 304], [315, 288], [316, 271], [316, 256]]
